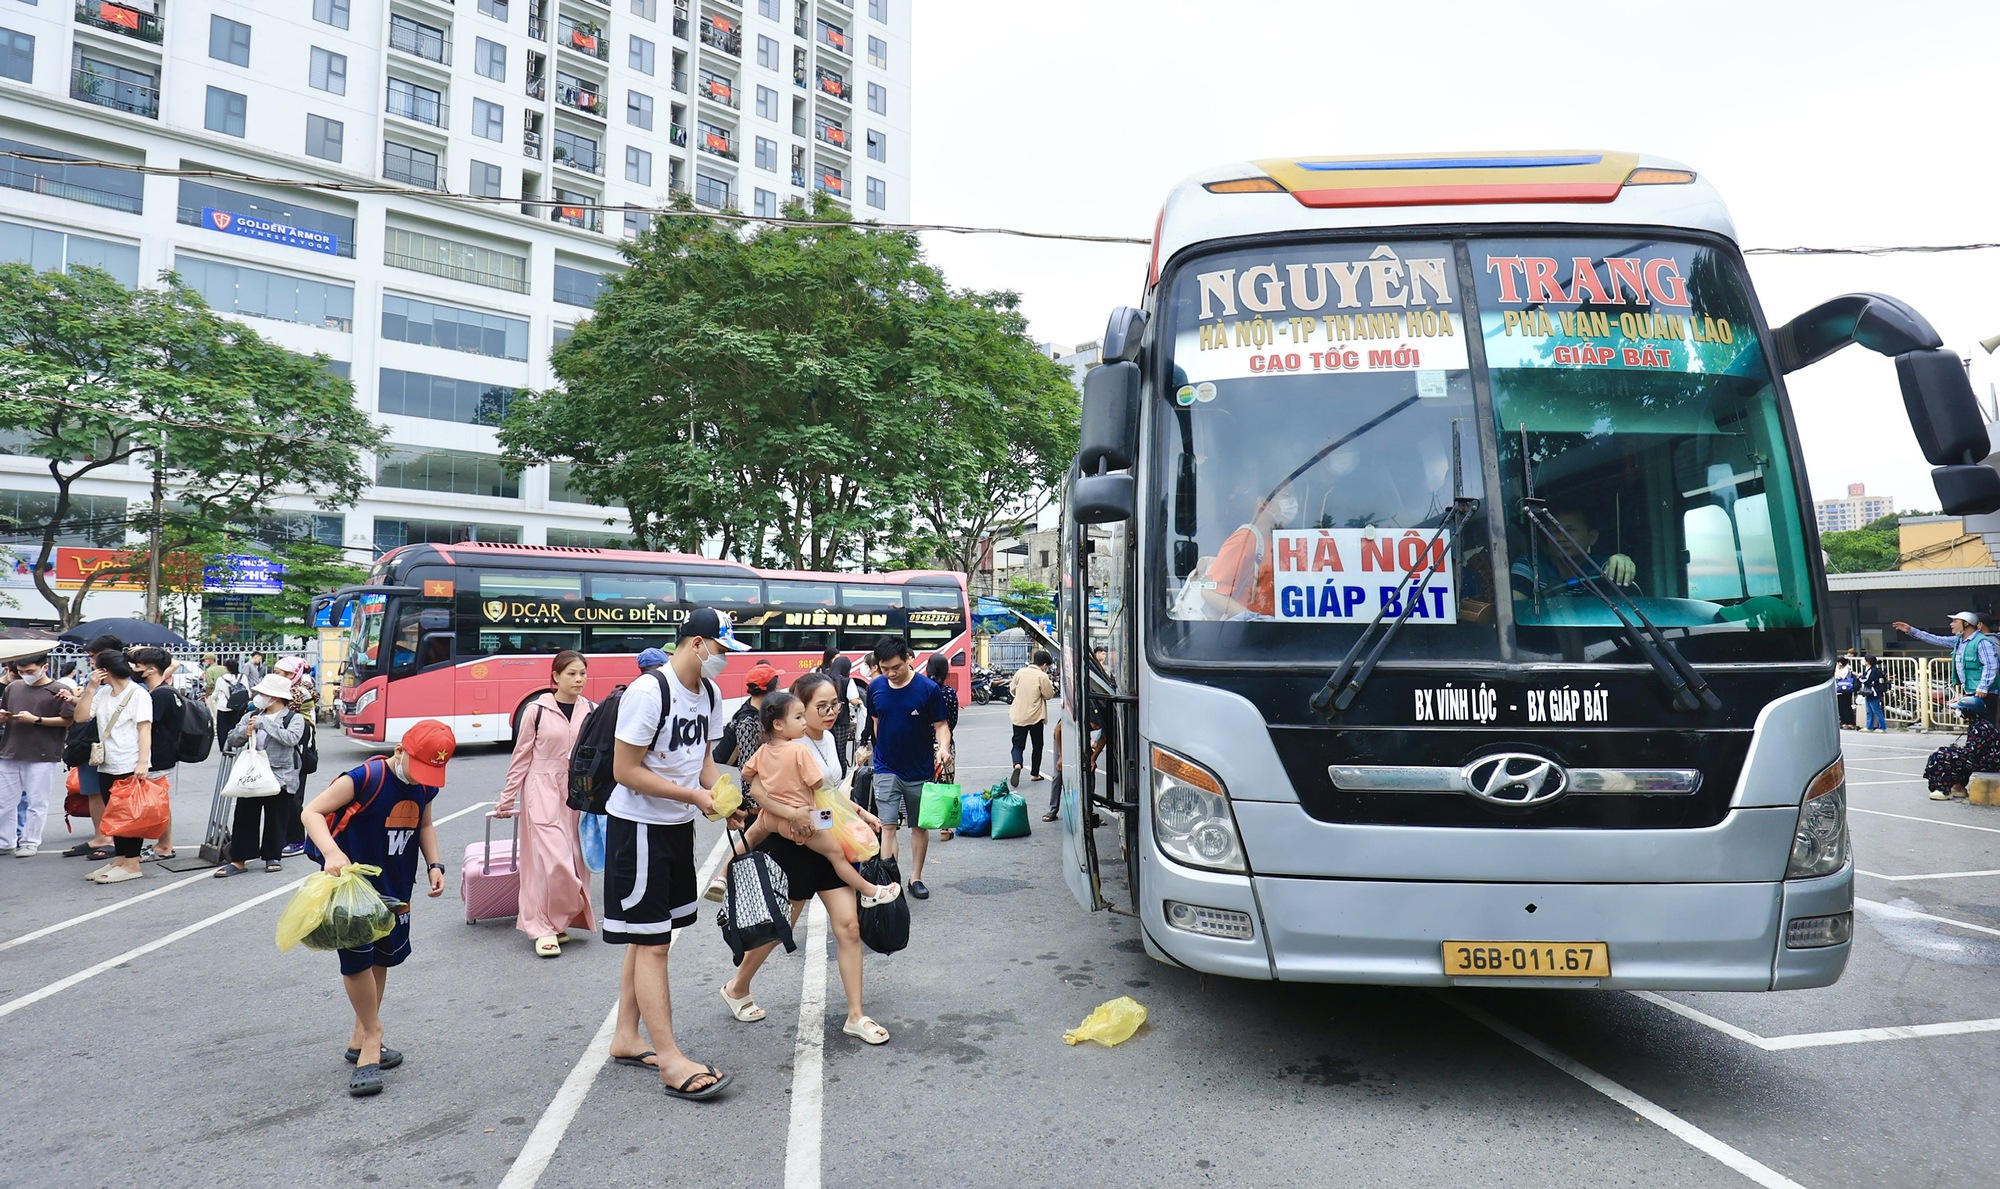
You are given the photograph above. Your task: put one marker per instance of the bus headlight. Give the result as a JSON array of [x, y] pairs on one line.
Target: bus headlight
[[1191, 817], [364, 701], [1819, 845]]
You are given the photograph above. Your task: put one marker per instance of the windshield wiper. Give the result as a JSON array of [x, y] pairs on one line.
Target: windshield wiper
[[1689, 689], [1345, 685]]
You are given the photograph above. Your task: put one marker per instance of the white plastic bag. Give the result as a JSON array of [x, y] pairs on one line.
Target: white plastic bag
[[251, 776]]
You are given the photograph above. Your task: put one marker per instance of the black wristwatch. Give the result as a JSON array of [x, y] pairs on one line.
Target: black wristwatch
[[435, 867]]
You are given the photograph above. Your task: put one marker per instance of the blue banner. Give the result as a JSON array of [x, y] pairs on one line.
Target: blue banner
[[231, 223], [243, 573]]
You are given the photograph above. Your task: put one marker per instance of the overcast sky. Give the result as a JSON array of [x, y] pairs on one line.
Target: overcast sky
[[1823, 123]]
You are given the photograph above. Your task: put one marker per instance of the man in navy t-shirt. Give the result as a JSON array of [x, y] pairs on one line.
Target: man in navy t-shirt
[[912, 742]]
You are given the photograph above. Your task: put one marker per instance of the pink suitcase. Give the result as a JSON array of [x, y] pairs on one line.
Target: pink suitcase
[[490, 883]]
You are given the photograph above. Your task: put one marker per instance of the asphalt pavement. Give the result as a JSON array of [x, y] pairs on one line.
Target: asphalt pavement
[[153, 1034]]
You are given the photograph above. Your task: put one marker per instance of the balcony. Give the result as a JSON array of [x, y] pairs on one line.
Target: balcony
[[579, 158], [834, 40], [410, 169], [129, 22], [834, 135], [587, 40], [419, 106], [828, 83], [729, 41], [711, 193], [118, 94], [589, 218], [719, 91], [419, 41], [680, 82], [678, 135], [681, 27], [580, 99], [20, 175], [538, 28], [830, 183], [537, 88], [799, 178], [718, 144]]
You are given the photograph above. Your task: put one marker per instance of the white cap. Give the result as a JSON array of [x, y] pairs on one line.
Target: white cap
[[1969, 617]]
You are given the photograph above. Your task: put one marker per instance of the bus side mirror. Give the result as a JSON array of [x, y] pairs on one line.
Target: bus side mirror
[[1943, 411], [1878, 322], [1110, 431], [1967, 490], [1122, 336], [1104, 499]]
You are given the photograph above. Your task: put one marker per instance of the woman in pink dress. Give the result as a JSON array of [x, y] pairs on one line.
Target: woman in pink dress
[[555, 886]]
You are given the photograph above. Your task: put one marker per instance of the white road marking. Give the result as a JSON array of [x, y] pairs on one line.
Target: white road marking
[[59, 926], [1816, 1040], [63, 984], [1859, 784], [802, 1157], [535, 1155], [1877, 771], [1929, 821], [1939, 875], [1703, 1018], [1638, 1104], [1891, 910]]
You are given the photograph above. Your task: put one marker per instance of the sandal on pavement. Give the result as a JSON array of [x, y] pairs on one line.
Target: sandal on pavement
[[562, 938], [1049, 817], [390, 1057], [367, 1080], [745, 1009], [229, 869], [273, 867], [867, 1030], [547, 947], [709, 1091], [885, 893], [947, 835], [640, 1060]]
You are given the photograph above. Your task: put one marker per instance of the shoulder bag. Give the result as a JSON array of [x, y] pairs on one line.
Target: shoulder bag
[[110, 725]]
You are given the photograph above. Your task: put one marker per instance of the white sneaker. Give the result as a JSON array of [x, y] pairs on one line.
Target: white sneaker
[[27, 851]]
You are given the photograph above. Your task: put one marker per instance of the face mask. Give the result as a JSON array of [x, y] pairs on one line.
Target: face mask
[[712, 667], [400, 765], [1288, 508], [266, 703]]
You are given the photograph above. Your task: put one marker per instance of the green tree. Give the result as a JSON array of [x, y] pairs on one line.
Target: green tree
[[310, 568], [94, 375], [1872, 547], [1032, 599], [809, 396]]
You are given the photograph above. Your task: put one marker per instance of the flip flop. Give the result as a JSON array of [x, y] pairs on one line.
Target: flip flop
[[639, 1060], [708, 1091], [227, 870], [548, 947], [745, 1009], [390, 1057], [867, 1030], [367, 1080], [83, 850]]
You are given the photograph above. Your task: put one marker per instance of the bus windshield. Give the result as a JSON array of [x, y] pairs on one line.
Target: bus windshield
[[364, 644], [1325, 409]]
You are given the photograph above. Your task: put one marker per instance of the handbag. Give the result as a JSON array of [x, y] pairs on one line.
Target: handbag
[[250, 775], [940, 808], [110, 725], [756, 902]]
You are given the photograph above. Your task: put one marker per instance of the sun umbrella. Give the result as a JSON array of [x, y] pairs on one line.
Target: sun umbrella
[[132, 631]]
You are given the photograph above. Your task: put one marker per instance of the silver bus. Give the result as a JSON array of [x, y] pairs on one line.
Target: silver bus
[[1441, 586]]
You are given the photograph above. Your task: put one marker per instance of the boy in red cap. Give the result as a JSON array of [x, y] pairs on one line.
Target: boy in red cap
[[391, 808]]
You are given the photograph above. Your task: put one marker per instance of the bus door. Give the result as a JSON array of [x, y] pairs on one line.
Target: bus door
[[1090, 703]]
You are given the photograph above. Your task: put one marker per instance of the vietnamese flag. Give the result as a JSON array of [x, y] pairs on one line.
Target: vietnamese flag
[[118, 15]]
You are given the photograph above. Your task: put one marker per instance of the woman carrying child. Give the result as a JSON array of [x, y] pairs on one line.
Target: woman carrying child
[[784, 776]]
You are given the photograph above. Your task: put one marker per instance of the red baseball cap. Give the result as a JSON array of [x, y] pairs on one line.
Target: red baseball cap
[[429, 745], [761, 677]]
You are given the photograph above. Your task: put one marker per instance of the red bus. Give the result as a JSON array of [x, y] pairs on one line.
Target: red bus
[[464, 633]]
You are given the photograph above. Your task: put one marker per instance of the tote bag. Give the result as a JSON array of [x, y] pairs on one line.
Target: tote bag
[[251, 776]]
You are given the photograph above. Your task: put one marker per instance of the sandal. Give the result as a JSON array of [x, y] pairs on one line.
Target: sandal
[[867, 1030], [640, 1060], [390, 1057], [83, 850], [229, 869], [708, 1091], [367, 1080], [745, 1009], [947, 835], [885, 893], [547, 947], [1049, 817], [274, 866]]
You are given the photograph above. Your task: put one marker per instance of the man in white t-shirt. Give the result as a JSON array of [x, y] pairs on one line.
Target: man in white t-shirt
[[668, 721]]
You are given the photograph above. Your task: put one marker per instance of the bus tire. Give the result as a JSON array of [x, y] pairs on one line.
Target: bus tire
[[514, 723]]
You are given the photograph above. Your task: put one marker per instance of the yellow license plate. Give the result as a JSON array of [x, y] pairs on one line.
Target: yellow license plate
[[1527, 959]]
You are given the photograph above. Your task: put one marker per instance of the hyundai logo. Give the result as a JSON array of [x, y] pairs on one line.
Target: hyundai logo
[[1514, 779]]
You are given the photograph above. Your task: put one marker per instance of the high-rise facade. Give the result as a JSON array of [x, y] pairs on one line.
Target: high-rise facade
[[1858, 510], [442, 296]]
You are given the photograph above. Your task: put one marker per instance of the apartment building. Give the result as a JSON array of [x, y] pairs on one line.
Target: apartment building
[[1857, 510], [496, 132]]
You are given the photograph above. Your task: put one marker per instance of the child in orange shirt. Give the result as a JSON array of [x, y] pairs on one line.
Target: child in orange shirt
[[786, 775]]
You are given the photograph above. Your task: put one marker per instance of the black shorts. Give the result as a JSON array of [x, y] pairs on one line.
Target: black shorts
[[807, 872], [649, 880], [392, 950]]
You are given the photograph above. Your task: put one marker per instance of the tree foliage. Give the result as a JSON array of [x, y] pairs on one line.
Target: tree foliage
[[1033, 599], [809, 396], [1872, 547], [94, 376]]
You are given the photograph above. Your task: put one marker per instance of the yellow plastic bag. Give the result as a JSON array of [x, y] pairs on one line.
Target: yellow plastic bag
[[857, 840], [727, 797], [1112, 1023], [336, 912]]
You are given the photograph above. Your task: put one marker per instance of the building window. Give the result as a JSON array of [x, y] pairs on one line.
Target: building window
[[767, 103], [331, 12], [562, 489], [485, 179], [641, 56], [580, 151], [412, 102], [256, 293], [196, 195], [410, 165], [442, 398], [117, 189], [560, 334], [324, 137], [639, 110], [17, 56], [878, 146], [497, 9], [457, 261], [767, 155], [636, 223], [765, 203], [329, 71], [833, 35], [582, 539], [578, 286], [878, 52], [489, 120], [768, 9], [226, 110], [638, 166], [46, 251], [394, 534], [475, 332], [767, 51], [878, 99], [228, 41], [425, 41], [489, 59], [713, 192], [459, 472], [92, 519], [650, 9], [878, 193], [879, 10]]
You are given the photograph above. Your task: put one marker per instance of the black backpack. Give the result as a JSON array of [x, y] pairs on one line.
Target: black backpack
[[590, 762], [197, 733], [309, 751], [239, 697], [729, 748]]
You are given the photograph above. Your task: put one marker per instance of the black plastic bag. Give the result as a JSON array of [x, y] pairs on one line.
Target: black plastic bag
[[885, 928]]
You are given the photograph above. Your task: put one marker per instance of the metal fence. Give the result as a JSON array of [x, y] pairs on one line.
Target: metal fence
[[1920, 693]]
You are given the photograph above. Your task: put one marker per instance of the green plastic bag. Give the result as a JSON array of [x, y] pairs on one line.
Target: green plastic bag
[[1010, 816], [1112, 1023], [940, 807], [336, 912]]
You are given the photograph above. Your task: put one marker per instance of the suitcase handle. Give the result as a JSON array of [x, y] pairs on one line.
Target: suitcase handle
[[486, 851]]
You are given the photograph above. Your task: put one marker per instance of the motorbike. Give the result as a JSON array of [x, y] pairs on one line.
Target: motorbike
[[988, 686]]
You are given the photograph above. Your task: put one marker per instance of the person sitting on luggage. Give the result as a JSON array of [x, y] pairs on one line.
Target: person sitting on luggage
[[258, 830], [785, 775]]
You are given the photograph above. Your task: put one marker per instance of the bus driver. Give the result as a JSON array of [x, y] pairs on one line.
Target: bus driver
[[1543, 569], [1239, 580]]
